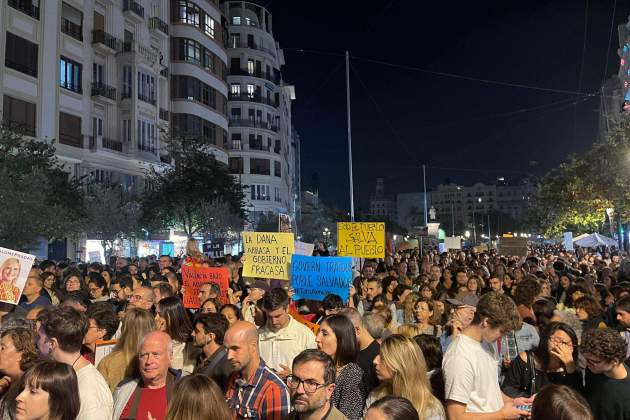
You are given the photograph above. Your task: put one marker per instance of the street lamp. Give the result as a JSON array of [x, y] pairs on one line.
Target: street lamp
[[467, 234], [326, 235], [479, 200]]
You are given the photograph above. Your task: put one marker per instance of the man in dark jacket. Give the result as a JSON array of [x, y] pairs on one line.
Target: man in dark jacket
[[208, 334]]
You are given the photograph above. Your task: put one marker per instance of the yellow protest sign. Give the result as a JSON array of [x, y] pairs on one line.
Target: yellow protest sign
[[267, 254], [363, 240]]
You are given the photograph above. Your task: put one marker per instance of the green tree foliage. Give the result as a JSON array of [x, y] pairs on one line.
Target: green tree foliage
[[574, 196], [38, 197], [111, 214], [182, 195]]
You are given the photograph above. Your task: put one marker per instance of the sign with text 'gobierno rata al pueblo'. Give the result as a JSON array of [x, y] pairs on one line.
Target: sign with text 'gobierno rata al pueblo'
[[268, 254], [316, 277], [364, 240]]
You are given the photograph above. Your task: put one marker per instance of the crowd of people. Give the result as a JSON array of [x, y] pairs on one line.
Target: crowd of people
[[454, 335]]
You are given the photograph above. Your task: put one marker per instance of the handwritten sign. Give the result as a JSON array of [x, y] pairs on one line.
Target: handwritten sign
[[365, 240], [513, 246], [267, 254], [14, 269], [316, 277], [453, 242], [302, 248], [194, 277]]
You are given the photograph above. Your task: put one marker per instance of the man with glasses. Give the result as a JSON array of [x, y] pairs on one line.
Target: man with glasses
[[311, 386], [142, 298], [607, 380]]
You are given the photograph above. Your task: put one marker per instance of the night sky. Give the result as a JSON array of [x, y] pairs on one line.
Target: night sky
[[464, 130]]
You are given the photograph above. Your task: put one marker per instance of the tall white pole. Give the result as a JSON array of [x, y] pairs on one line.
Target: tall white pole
[[349, 136], [424, 179]]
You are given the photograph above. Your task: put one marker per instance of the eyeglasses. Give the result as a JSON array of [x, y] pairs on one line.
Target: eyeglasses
[[310, 386]]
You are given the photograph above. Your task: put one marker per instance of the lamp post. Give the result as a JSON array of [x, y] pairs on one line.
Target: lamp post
[[326, 235], [474, 227]]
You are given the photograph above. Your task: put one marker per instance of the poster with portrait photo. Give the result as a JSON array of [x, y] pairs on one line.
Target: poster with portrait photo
[[14, 269]]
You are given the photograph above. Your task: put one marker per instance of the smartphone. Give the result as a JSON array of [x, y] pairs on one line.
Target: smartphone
[[524, 407]]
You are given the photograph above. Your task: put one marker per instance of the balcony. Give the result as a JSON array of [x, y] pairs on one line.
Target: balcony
[[247, 97], [253, 46], [147, 98], [163, 114], [147, 148], [25, 6], [260, 74], [247, 146], [105, 42], [140, 52], [106, 91], [105, 143], [241, 122], [72, 29], [133, 9], [155, 23]]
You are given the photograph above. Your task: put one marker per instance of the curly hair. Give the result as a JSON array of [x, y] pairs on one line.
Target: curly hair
[[24, 343], [526, 291], [604, 343], [500, 311]]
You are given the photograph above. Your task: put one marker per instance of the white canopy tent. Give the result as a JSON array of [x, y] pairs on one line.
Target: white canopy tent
[[593, 240]]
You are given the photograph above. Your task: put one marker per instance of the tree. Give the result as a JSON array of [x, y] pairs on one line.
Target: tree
[[315, 218], [575, 196], [182, 195], [111, 214], [39, 198]]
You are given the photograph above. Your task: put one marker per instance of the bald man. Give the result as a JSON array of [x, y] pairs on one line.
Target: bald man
[[137, 398], [253, 389]]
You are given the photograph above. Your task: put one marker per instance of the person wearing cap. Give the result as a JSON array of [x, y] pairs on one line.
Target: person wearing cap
[[462, 314], [470, 370], [257, 291]]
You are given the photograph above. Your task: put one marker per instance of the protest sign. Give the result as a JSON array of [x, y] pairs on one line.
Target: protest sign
[[568, 241], [194, 277], [453, 242], [267, 254], [365, 240], [94, 256], [14, 269], [513, 246], [316, 277], [214, 249], [103, 348], [284, 223], [433, 229], [302, 248]]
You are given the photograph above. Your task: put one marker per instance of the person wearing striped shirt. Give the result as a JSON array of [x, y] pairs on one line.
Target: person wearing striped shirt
[[254, 391]]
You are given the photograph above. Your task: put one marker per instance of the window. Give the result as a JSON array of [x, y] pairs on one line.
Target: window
[[70, 74], [126, 131], [71, 21], [19, 114], [277, 194], [127, 82], [208, 60], [209, 26], [97, 73], [277, 169], [259, 166], [236, 41], [251, 89], [236, 141], [147, 136], [188, 12], [259, 192], [236, 20], [187, 125], [192, 89], [70, 130], [21, 55], [236, 165], [146, 88], [192, 51], [235, 89], [235, 113], [250, 67]]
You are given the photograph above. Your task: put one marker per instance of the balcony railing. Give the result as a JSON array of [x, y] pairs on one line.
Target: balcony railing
[[101, 89], [241, 122], [101, 37], [72, 29], [235, 71], [25, 6], [252, 98], [164, 114], [112, 144], [146, 98], [159, 24], [146, 148], [132, 6], [252, 45]]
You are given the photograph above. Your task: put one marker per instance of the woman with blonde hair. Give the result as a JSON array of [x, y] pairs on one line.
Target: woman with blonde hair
[[194, 257], [402, 370], [408, 304], [9, 273], [122, 362], [197, 397]]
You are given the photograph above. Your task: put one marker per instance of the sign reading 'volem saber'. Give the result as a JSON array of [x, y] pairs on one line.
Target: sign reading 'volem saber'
[[267, 254], [361, 239]]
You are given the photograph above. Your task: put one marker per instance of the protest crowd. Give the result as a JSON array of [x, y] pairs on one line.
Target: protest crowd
[[419, 334]]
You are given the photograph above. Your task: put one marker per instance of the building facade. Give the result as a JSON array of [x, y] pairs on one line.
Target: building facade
[[382, 207], [92, 77], [261, 142]]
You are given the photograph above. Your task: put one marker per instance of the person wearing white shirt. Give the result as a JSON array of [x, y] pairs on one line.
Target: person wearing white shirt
[[282, 338], [471, 383]]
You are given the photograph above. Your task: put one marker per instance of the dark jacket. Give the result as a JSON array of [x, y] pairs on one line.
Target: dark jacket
[[216, 367]]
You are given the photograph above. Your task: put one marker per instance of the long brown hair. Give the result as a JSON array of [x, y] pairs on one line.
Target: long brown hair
[[197, 397], [136, 324]]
